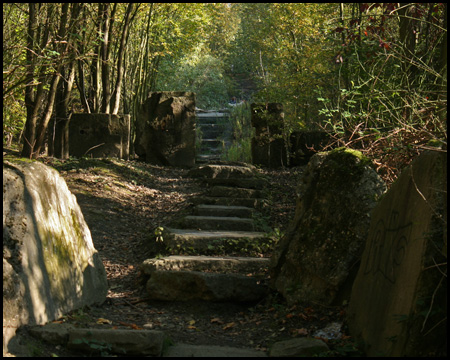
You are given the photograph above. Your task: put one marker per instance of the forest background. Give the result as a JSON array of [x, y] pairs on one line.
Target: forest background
[[373, 75]]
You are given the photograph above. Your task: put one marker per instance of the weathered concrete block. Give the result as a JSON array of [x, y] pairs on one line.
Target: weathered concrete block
[[50, 265], [99, 135], [268, 147], [398, 304], [165, 129], [327, 236], [305, 144]]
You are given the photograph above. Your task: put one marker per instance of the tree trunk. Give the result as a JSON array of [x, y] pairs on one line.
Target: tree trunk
[[120, 60], [62, 116], [42, 128], [60, 139], [407, 35], [107, 23], [34, 99]]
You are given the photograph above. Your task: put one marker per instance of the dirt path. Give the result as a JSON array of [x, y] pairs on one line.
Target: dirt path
[[123, 203]]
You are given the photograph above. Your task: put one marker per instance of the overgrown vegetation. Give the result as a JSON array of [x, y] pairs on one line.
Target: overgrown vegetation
[[373, 75], [240, 148]]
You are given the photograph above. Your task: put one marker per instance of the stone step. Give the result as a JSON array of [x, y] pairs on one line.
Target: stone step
[[223, 210], [210, 150], [217, 223], [234, 192], [249, 183], [247, 202], [257, 267], [169, 285], [207, 157], [211, 142], [188, 350], [207, 242], [212, 130], [223, 171]]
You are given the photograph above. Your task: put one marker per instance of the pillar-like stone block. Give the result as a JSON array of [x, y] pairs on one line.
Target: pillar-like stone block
[[398, 305], [268, 147], [99, 135], [165, 129]]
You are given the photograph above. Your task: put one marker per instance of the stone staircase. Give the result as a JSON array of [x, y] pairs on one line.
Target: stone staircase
[[221, 226], [215, 133]]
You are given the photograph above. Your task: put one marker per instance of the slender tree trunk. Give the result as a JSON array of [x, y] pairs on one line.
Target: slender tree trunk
[[107, 24], [407, 35], [34, 99], [120, 60], [46, 116], [30, 125]]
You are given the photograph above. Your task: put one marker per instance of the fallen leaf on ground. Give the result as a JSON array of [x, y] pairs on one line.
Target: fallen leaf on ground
[[216, 320], [133, 326], [229, 325], [103, 321], [301, 331]]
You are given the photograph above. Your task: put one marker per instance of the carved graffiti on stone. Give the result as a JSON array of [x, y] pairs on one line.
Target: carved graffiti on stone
[[387, 247]]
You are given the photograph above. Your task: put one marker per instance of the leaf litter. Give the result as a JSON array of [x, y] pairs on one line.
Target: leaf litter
[[123, 203]]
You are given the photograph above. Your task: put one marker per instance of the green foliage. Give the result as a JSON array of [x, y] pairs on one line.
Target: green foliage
[[240, 148], [159, 234], [201, 73]]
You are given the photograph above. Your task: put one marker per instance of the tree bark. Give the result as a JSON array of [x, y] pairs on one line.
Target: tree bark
[[107, 24], [42, 128], [34, 98], [120, 60]]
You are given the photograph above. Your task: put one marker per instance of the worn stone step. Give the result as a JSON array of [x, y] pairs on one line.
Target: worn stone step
[[210, 150], [247, 202], [224, 210], [117, 341], [217, 223], [207, 157], [169, 285], [249, 183], [207, 242], [188, 350], [229, 264], [223, 171], [234, 192], [211, 142], [212, 130]]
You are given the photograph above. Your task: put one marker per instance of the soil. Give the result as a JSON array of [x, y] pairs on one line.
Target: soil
[[123, 203]]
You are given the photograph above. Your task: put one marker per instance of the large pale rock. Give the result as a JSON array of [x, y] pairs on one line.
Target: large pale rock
[[398, 304], [165, 129], [327, 236], [50, 265]]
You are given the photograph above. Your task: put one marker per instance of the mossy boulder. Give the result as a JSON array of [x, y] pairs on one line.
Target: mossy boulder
[[324, 242], [50, 265]]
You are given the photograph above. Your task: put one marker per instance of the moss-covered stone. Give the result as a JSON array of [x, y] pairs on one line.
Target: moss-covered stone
[[47, 245], [326, 237]]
